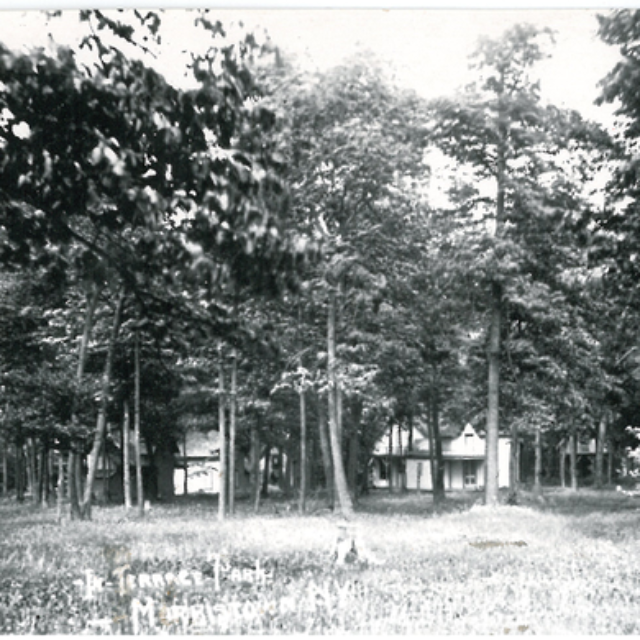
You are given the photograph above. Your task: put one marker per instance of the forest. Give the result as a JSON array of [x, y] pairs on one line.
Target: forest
[[256, 252]]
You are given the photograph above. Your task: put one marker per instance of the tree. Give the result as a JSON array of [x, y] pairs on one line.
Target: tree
[[349, 148], [535, 159], [615, 249], [157, 184]]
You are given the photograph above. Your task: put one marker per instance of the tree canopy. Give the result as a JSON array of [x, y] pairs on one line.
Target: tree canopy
[[255, 251]]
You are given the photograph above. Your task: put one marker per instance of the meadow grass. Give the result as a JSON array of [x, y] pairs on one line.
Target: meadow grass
[[569, 565]]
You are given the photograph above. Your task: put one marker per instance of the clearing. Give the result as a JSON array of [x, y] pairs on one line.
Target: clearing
[[569, 565]]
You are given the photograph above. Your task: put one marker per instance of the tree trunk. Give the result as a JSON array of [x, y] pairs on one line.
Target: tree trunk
[[410, 437], [610, 464], [72, 465], [286, 471], [390, 474], [267, 470], [339, 477], [60, 487], [573, 459], [433, 462], [302, 500], [223, 439], [255, 465], [563, 461], [537, 477], [438, 486], [312, 476], [493, 356], [232, 432], [495, 305], [600, 442], [339, 400], [126, 464], [105, 473], [107, 470], [339, 416], [19, 472], [136, 430], [72, 485], [5, 471], [185, 479], [98, 436], [44, 476], [325, 450], [354, 455], [401, 480], [354, 448], [32, 470], [77, 474], [513, 463], [302, 496]]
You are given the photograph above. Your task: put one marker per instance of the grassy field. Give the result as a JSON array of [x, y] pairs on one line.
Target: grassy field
[[569, 565]]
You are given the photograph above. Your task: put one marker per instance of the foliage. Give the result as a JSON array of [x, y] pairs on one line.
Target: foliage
[[524, 207]]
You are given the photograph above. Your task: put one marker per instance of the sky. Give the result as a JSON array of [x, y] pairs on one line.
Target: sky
[[429, 48]]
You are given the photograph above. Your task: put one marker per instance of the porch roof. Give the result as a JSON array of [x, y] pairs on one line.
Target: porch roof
[[425, 455]]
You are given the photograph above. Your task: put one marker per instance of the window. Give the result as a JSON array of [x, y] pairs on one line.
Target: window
[[469, 472]]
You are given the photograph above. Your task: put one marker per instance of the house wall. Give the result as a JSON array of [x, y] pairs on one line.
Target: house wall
[[202, 478], [453, 474], [454, 479], [454, 471], [417, 478], [394, 474], [467, 445]]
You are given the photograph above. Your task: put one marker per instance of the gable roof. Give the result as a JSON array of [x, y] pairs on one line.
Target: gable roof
[[446, 430]]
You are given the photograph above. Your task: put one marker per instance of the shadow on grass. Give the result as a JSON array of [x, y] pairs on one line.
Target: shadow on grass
[[583, 502], [413, 503], [602, 514]]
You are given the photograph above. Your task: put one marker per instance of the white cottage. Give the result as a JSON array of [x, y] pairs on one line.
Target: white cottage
[[199, 458], [463, 452]]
